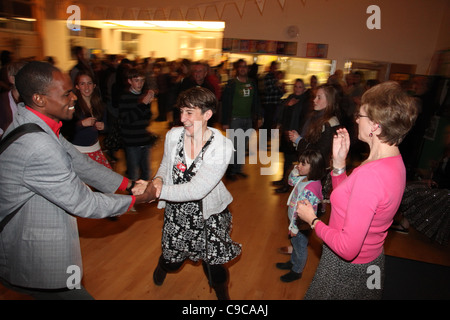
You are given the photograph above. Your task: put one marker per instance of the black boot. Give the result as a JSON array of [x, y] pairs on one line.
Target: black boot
[[221, 291], [218, 278], [159, 275]]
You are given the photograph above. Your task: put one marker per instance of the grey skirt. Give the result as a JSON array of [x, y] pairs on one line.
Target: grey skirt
[[337, 279]]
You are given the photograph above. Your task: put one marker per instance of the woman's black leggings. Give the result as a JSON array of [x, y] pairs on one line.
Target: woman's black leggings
[[219, 274]]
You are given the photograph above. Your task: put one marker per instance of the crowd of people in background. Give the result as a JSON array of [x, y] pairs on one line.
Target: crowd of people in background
[[273, 104], [113, 112]]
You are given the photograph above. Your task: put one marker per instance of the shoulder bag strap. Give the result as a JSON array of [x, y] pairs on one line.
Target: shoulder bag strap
[[5, 143], [17, 133]]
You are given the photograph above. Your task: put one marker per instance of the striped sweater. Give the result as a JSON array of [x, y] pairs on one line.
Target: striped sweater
[[134, 119]]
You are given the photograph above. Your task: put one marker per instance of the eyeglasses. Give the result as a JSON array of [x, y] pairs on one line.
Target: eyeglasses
[[357, 116]]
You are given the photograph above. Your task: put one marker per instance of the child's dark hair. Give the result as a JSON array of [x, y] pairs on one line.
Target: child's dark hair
[[316, 162], [135, 73]]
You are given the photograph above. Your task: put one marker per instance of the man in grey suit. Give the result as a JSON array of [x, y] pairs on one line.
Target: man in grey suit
[[45, 178]]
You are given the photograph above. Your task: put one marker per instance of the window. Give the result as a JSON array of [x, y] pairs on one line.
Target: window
[[130, 42], [17, 15]]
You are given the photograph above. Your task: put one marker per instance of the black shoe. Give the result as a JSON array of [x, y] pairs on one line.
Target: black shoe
[[283, 189], [284, 265], [159, 275], [291, 276], [278, 182]]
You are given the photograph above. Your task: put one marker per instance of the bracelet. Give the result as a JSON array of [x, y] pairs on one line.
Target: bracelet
[[133, 183], [337, 171], [312, 223], [158, 177]]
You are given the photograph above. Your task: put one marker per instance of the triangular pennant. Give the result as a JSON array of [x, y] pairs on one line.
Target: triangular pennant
[[240, 4], [304, 2], [219, 8], [135, 12], [260, 4], [119, 12], [160, 14], [201, 11], [183, 12], [282, 3], [151, 13], [166, 11]]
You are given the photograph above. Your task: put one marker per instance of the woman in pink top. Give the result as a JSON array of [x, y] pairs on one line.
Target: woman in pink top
[[364, 203]]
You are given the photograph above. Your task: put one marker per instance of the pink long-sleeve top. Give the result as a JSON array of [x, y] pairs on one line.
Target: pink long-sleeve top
[[363, 206]]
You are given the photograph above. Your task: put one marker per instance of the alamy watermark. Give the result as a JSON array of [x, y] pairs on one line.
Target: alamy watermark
[[74, 280], [374, 280], [73, 22], [374, 21], [243, 141]]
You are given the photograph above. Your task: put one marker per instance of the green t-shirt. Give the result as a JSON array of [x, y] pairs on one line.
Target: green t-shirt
[[242, 99]]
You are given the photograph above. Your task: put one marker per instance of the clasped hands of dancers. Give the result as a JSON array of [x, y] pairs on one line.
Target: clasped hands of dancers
[[150, 190]]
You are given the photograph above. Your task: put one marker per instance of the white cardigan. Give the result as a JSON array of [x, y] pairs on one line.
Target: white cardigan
[[207, 183]]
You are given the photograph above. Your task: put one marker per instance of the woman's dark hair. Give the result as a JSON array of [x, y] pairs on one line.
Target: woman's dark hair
[[315, 129], [198, 97], [97, 108], [317, 164]]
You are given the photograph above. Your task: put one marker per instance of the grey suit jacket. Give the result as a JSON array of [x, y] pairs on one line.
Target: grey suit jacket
[[49, 177]]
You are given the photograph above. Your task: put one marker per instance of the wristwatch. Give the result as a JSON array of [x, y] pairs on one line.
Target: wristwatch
[[133, 183]]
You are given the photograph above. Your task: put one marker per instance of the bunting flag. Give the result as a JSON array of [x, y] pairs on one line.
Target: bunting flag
[[151, 13], [160, 14], [183, 12], [240, 4], [201, 11], [166, 12], [219, 7], [135, 12], [260, 4]]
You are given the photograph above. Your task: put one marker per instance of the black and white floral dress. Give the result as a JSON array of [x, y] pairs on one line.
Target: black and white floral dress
[[186, 235]]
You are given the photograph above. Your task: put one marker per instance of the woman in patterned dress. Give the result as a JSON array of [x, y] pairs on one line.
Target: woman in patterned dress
[[197, 222]]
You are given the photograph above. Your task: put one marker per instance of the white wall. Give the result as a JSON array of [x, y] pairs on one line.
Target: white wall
[[56, 43], [411, 30]]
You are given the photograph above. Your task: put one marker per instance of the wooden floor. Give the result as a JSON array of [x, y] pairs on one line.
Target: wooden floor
[[119, 256]]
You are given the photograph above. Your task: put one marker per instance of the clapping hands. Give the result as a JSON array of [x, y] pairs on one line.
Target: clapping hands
[[305, 211], [341, 146]]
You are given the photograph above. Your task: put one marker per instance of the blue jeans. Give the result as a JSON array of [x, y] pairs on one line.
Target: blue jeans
[[299, 252], [138, 162]]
